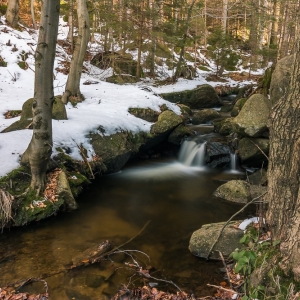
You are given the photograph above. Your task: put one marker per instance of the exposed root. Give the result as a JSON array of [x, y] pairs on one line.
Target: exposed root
[[6, 200]]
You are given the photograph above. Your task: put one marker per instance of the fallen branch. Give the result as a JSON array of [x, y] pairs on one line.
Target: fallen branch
[[225, 266], [266, 156], [222, 288], [221, 231]]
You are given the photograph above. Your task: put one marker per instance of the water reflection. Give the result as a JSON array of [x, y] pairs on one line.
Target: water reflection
[[176, 199]]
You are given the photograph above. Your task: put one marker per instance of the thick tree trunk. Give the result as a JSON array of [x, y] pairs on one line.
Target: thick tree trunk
[[73, 82], [38, 153], [12, 12], [283, 173]]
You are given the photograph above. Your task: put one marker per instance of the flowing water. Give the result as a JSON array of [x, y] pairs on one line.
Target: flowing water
[[176, 197]]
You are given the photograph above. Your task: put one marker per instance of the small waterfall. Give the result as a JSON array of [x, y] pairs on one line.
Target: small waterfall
[[192, 154], [233, 162]]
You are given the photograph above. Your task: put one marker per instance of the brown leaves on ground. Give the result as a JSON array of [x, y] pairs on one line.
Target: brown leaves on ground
[[148, 293], [10, 294], [50, 192], [12, 114]]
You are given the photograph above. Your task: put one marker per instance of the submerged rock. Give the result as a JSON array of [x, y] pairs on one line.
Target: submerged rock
[[203, 239], [235, 191]]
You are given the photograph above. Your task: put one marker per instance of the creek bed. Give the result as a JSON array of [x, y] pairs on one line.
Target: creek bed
[[176, 199]]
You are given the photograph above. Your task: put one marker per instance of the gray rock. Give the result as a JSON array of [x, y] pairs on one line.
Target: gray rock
[[252, 119], [235, 191], [259, 177], [204, 96], [238, 106], [217, 152], [179, 134], [250, 151], [205, 115], [203, 239]]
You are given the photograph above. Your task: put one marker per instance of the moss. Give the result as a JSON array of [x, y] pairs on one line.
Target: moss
[[3, 8], [23, 65], [203, 68], [77, 181], [3, 63]]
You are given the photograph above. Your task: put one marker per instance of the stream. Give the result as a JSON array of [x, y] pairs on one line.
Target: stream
[[175, 196]]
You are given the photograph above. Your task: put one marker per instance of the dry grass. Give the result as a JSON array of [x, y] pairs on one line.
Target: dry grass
[[6, 200]]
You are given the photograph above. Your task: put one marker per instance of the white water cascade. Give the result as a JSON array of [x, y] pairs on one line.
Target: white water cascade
[[233, 161], [192, 154]]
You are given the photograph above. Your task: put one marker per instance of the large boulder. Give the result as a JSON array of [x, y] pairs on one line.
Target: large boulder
[[238, 107], [251, 151], [58, 113], [179, 134], [204, 96], [116, 149], [252, 119], [235, 191], [281, 78], [205, 115], [167, 121], [202, 240], [224, 127]]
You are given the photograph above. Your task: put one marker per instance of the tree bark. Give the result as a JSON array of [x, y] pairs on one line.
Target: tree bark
[[38, 153], [73, 82], [283, 173], [32, 14], [12, 12]]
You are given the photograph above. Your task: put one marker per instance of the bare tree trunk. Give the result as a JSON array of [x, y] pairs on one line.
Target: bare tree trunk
[[38, 153], [71, 25], [224, 16], [12, 12], [32, 14], [185, 35], [73, 82], [283, 173]]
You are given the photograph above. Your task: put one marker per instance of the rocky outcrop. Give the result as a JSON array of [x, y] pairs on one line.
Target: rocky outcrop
[[205, 115], [281, 78], [204, 96], [235, 191], [58, 113], [252, 119], [202, 240], [251, 151]]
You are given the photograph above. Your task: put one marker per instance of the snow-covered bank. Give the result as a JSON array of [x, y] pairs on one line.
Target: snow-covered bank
[[105, 104]]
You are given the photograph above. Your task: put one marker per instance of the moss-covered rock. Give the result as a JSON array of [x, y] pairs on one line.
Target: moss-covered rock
[[227, 127], [204, 116], [64, 192], [250, 151], [252, 119], [186, 113], [58, 113], [238, 106], [147, 114], [235, 191], [202, 240], [121, 79], [179, 134], [204, 96], [259, 177], [167, 121]]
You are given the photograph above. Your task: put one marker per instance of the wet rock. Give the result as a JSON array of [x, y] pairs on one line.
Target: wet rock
[[252, 119], [179, 134], [281, 78], [235, 191], [227, 127], [217, 153], [186, 113], [259, 177], [250, 151], [204, 96], [203, 239], [205, 115], [94, 280]]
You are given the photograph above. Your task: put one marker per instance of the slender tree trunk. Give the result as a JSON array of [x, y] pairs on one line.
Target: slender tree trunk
[[185, 35], [73, 82], [140, 40], [284, 173], [12, 12], [71, 25], [38, 153], [224, 16], [32, 14]]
